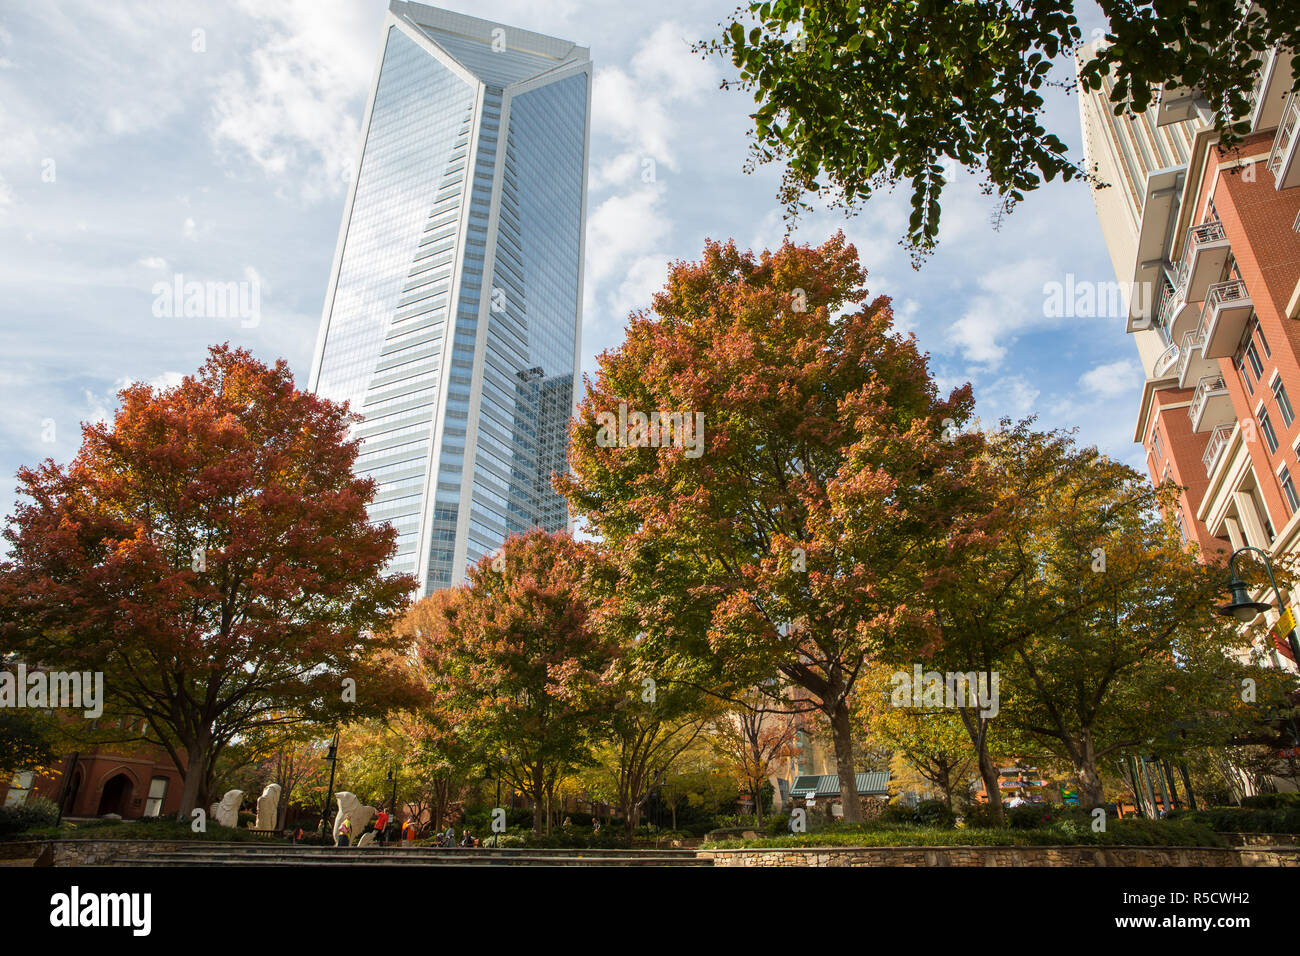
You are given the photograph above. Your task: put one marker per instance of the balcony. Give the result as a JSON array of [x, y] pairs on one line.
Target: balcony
[[1175, 104], [1218, 441], [1211, 405], [1192, 363], [1224, 316], [1282, 159], [1204, 257], [1268, 99]]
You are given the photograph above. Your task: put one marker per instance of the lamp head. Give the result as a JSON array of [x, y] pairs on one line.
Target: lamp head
[[1240, 605]]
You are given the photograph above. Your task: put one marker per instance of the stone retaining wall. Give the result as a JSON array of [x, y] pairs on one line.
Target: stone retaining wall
[[87, 852], [1007, 856], [98, 852]]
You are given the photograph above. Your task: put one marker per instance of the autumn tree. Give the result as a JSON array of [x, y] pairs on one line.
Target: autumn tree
[[759, 410], [208, 550], [1098, 620], [515, 659], [856, 98], [754, 737], [932, 743]]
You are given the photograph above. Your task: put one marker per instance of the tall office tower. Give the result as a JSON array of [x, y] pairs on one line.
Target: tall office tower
[[1211, 243], [454, 308]]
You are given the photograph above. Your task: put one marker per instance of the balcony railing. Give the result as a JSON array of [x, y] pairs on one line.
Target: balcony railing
[[1296, 225], [1219, 293], [1191, 342], [1285, 131], [1218, 441], [1205, 232], [1208, 386]]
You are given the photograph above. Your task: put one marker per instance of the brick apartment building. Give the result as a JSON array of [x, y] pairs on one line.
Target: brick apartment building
[[1209, 239]]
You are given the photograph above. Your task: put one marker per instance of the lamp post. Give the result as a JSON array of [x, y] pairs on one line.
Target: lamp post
[[333, 758], [1243, 608], [497, 776]]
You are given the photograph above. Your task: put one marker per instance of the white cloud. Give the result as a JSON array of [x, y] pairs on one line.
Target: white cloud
[[1112, 379], [623, 228], [1011, 395], [154, 262], [291, 110], [997, 316]]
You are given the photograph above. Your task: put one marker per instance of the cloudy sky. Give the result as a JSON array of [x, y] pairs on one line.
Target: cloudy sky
[[142, 140]]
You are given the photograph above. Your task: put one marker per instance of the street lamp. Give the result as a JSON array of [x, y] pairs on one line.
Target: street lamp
[[1242, 607], [332, 757]]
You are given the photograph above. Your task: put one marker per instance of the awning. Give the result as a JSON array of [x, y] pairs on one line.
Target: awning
[[875, 784]]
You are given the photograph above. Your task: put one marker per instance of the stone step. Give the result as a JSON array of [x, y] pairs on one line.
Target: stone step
[[401, 859], [386, 853]]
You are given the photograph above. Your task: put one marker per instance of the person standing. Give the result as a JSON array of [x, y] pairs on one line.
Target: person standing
[[345, 831], [381, 826]]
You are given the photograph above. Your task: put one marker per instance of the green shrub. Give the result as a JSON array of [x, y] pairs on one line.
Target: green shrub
[[1246, 819], [935, 813], [1030, 817], [981, 816], [37, 812], [897, 813], [1271, 801]]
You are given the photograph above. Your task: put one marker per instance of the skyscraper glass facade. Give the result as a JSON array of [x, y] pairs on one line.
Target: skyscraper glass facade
[[453, 315]]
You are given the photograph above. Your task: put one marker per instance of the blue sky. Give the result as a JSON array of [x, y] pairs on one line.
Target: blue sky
[[127, 156]]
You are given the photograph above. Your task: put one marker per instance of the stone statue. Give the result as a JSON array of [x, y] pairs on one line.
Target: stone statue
[[226, 812], [366, 839], [268, 807], [350, 808]]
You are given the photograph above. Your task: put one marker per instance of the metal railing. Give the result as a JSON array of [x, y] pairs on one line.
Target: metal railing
[[1214, 448], [1286, 128], [1191, 341], [1215, 296], [1207, 386]]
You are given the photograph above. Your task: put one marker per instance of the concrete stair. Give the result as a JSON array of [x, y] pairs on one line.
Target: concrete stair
[[254, 854]]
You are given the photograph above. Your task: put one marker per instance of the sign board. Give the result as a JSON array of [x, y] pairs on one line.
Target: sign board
[[1284, 626]]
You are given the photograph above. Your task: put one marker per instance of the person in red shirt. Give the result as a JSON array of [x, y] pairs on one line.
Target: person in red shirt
[[381, 825]]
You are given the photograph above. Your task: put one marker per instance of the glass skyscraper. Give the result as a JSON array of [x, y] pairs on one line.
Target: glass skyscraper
[[454, 308]]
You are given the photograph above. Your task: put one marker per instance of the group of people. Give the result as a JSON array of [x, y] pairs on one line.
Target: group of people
[[379, 825], [448, 839]]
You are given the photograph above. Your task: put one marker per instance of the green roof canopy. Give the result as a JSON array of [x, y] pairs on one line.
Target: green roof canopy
[[874, 784]]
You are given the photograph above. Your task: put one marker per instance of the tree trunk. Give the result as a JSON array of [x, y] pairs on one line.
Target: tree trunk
[[842, 733], [195, 777], [758, 807], [977, 730], [539, 788]]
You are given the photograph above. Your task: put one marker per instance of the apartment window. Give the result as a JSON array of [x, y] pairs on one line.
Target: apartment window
[[1283, 403], [1288, 489], [1245, 376], [1156, 444], [1252, 356], [1182, 527], [1259, 330], [1266, 426]]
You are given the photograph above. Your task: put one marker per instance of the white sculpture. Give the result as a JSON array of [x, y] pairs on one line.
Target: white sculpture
[[268, 807], [352, 810], [366, 839], [226, 812]]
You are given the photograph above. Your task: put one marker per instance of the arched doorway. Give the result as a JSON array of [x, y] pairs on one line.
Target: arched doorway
[[115, 796]]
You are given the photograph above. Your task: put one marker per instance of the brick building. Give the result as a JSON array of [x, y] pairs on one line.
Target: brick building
[[131, 783], [1207, 240]]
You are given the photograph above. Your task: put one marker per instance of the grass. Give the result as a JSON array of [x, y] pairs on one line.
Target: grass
[[1118, 833], [137, 830]]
